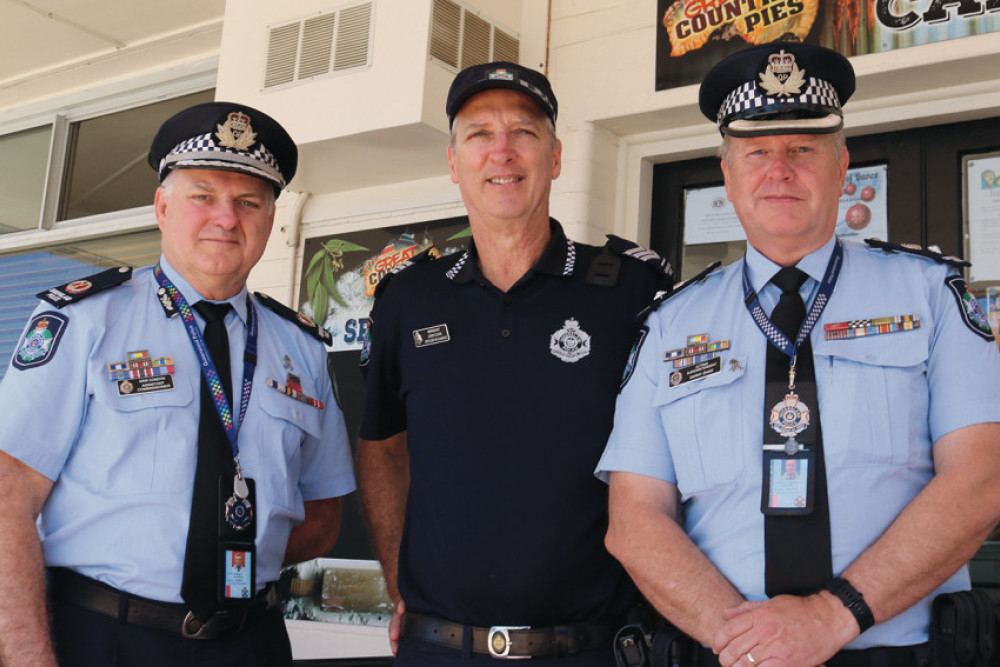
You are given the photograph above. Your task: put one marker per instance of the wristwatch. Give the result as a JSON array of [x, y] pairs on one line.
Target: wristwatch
[[853, 600]]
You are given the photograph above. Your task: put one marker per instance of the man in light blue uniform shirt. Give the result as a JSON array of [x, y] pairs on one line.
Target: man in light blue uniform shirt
[[907, 377], [100, 428]]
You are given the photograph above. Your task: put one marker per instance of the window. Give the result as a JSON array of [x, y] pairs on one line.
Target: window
[[106, 168], [22, 178]]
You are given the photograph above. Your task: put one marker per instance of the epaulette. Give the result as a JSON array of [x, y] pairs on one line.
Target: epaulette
[[635, 251], [425, 255], [303, 322], [933, 252], [666, 294], [78, 290]]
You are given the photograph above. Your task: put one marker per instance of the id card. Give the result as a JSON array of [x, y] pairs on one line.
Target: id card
[[237, 579], [788, 482]]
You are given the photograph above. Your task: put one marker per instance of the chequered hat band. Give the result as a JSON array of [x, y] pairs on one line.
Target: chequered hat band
[[202, 150], [819, 94]]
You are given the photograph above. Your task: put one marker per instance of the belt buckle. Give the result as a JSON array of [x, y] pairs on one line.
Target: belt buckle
[[499, 643]]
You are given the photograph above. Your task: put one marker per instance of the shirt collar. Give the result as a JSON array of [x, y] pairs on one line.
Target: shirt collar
[[558, 258], [192, 296], [761, 269]]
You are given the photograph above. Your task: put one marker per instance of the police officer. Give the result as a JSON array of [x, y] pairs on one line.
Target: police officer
[[179, 438], [870, 366], [491, 378]]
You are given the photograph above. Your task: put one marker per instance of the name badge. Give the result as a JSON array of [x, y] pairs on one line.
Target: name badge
[[431, 335]]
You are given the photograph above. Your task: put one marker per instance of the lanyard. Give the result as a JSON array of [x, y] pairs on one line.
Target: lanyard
[[773, 334], [208, 366]]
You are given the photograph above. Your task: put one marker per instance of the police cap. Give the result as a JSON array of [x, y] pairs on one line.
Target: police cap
[[225, 136], [501, 74], [778, 88]]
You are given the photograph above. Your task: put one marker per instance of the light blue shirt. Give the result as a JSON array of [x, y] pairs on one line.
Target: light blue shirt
[[884, 400], [123, 466]]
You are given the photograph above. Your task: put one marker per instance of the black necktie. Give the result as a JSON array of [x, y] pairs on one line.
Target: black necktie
[[215, 457], [796, 548]]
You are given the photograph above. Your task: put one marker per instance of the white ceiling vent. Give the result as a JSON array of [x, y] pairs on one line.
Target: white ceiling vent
[[461, 37], [330, 42]]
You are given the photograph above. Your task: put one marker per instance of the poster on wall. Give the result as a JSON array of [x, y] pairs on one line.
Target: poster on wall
[[862, 211], [341, 271], [982, 216], [692, 35]]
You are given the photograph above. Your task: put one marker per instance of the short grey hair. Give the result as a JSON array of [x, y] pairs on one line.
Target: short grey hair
[[839, 141]]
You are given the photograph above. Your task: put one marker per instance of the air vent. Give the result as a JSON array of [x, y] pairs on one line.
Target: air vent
[[461, 37], [335, 41]]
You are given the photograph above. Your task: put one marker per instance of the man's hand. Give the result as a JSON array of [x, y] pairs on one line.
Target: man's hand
[[396, 625], [785, 630]]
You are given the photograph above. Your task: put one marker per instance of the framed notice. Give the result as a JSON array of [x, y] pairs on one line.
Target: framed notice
[[981, 184]]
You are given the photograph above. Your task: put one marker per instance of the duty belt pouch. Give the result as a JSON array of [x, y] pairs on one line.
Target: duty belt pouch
[[672, 648], [964, 630]]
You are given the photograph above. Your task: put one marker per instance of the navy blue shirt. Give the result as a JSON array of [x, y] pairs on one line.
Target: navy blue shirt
[[508, 400]]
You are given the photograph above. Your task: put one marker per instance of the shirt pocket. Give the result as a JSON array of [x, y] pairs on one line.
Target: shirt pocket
[[139, 443], [703, 422], [875, 398], [283, 425]]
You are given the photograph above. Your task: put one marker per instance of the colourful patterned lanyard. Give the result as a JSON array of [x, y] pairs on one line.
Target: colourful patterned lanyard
[[778, 339], [208, 366]]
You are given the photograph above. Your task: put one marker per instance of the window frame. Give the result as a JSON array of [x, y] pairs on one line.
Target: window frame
[[60, 113]]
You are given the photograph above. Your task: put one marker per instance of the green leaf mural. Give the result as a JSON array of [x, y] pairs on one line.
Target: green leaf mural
[[321, 276]]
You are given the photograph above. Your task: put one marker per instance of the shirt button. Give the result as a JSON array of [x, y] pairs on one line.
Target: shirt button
[[505, 333], [506, 298]]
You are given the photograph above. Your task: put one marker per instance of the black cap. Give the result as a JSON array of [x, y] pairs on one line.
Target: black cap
[[225, 136], [778, 88], [501, 74]]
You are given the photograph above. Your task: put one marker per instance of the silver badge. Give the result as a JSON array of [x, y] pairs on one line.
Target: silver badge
[[782, 77], [571, 343], [236, 132], [789, 417]]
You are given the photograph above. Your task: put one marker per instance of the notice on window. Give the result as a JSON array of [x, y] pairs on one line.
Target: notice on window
[[982, 216]]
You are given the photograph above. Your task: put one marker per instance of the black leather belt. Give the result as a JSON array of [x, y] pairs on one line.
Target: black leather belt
[[504, 641], [69, 586]]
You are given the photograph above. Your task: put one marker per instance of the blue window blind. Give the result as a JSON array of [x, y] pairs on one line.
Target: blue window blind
[[24, 275]]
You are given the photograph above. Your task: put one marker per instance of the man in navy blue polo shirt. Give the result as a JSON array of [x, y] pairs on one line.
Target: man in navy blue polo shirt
[[491, 379]]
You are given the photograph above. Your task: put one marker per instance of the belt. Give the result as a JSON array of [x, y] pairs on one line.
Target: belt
[[917, 655], [509, 641], [74, 588]]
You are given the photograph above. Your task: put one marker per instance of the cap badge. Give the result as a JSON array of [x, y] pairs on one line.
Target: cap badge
[[500, 74], [782, 77], [236, 132]]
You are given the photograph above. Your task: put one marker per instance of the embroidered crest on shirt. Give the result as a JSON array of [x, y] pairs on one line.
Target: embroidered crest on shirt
[[973, 316], [40, 342], [571, 343]]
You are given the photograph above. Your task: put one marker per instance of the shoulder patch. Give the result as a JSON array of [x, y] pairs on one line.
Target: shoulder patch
[[635, 251], [303, 322], [663, 296], [633, 357], [426, 255], [932, 252], [40, 341], [77, 290], [968, 308]]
